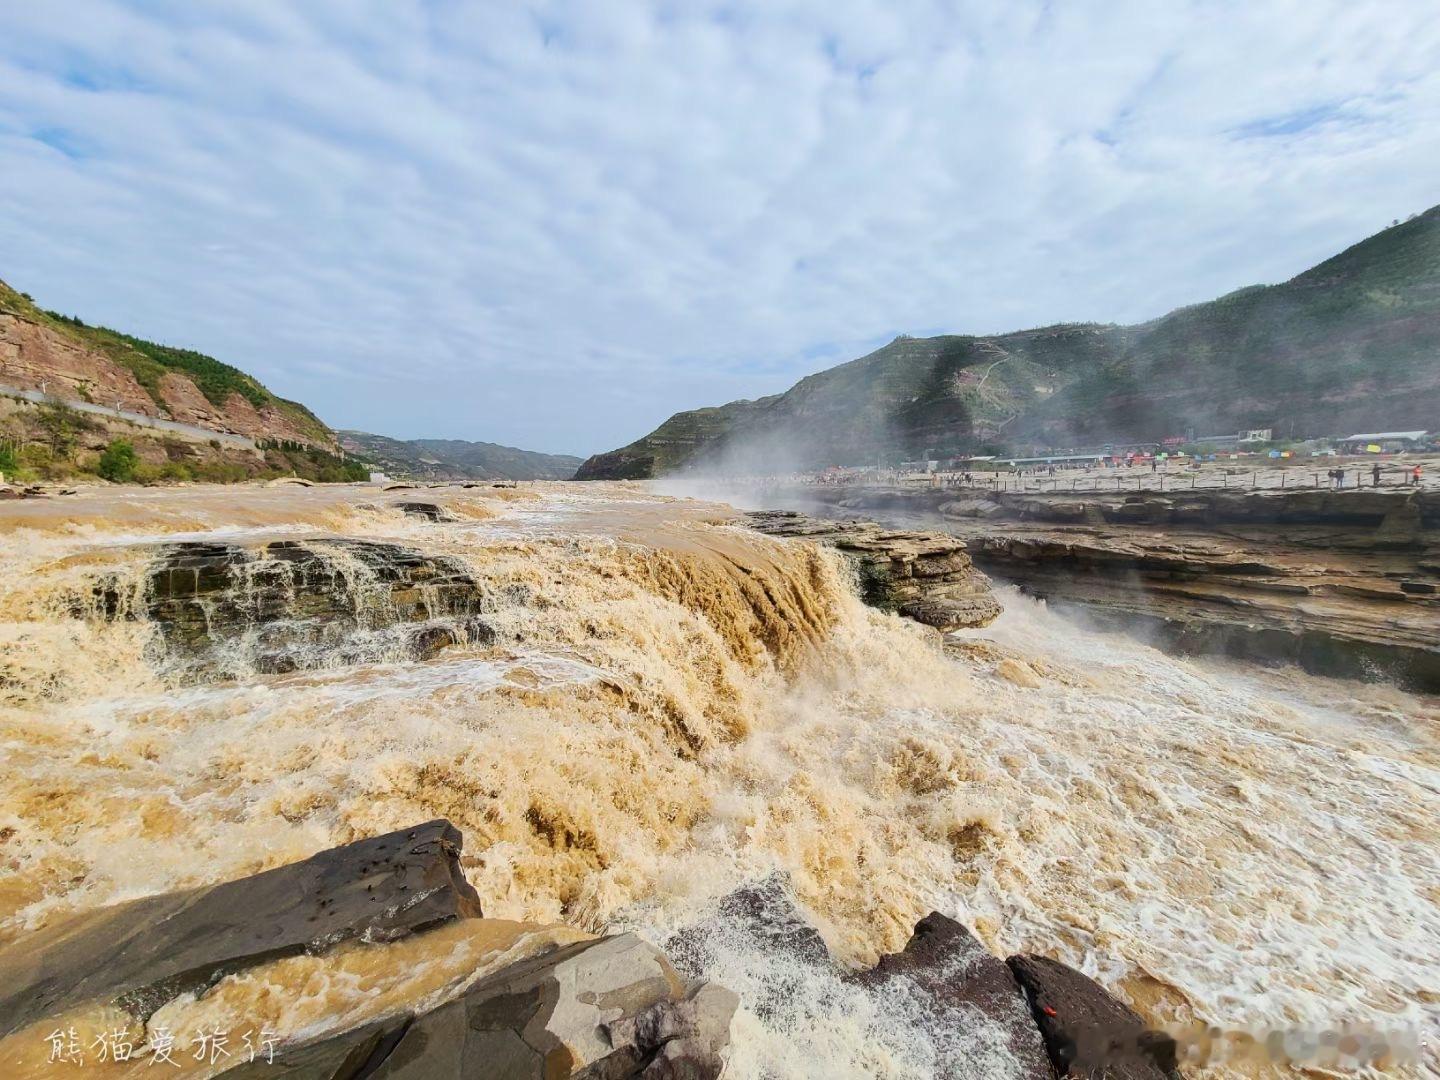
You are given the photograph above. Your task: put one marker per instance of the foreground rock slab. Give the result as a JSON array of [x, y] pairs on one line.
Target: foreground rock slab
[[1087, 1031], [143, 953], [602, 1010]]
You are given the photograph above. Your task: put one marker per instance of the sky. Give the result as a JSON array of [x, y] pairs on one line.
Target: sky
[[552, 225]]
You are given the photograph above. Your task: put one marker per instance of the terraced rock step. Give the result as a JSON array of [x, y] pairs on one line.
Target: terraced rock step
[[1341, 583], [228, 610], [925, 576]]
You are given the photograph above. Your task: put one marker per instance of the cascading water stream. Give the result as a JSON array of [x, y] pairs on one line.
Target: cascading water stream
[[661, 709]]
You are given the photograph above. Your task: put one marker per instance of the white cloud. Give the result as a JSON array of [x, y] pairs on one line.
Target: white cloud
[[553, 225]]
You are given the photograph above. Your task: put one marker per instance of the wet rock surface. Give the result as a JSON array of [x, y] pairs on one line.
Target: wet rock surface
[[763, 919], [1340, 583], [960, 980], [224, 609], [972, 1007], [428, 511], [925, 576], [1088, 1032], [605, 1009], [143, 953]]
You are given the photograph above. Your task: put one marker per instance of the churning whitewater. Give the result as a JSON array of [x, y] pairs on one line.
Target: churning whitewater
[[664, 706]]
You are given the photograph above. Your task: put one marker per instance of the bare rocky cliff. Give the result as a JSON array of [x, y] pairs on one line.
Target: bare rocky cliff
[[1340, 583]]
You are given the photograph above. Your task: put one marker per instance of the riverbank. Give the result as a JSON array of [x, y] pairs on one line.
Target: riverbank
[[1339, 582]]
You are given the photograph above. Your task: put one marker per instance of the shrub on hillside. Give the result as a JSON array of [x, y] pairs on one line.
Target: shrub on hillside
[[119, 462]]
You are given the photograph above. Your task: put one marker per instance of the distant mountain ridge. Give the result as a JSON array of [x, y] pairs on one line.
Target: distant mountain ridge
[[457, 459], [1352, 344]]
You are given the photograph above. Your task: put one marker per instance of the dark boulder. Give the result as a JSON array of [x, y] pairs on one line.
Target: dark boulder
[[944, 990], [1088, 1032], [958, 978], [761, 917], [427, 510], [145, 952], [759, 924]]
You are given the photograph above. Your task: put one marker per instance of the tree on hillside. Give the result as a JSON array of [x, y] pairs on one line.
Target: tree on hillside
[[118, 462], [61, 426]]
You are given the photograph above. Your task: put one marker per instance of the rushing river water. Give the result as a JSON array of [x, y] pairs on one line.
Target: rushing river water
[[673, 707]]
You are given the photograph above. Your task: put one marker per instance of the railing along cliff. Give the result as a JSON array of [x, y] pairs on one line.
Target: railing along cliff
[[39, 397]]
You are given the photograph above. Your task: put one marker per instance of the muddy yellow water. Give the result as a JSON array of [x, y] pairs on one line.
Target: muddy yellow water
[[672, 707]]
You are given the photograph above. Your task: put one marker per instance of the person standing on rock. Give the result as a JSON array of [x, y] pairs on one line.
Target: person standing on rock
[[1375, 474], [1415, 475]]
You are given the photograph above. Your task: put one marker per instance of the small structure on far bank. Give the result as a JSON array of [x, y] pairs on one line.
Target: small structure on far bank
[[1386, 442]]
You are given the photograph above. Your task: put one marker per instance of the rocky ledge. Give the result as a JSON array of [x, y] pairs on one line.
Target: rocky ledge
[[541, 1003], [1343, 583], [226, 609], [925, 576]]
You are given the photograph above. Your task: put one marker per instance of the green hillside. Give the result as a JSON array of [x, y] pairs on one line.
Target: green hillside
[[1352, 344], [149, 362]]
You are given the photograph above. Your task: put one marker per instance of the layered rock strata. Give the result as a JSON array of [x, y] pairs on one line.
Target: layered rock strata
[[1343, 583], [925, 576], [38, 355], [226, 609]]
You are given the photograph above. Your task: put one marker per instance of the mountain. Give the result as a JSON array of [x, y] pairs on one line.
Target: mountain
[[456, 459], [76, 361], [69, 389], [1352, 344]]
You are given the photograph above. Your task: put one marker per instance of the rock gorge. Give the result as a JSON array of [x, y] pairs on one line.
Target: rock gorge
[[1339, 582], [635, 708]]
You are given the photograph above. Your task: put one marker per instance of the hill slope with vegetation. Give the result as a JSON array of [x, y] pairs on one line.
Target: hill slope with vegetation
[[457, 459], [1352, 344], [73, 360], [123, 408]]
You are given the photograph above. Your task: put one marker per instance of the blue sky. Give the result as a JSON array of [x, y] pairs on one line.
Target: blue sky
[[552, 225]]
